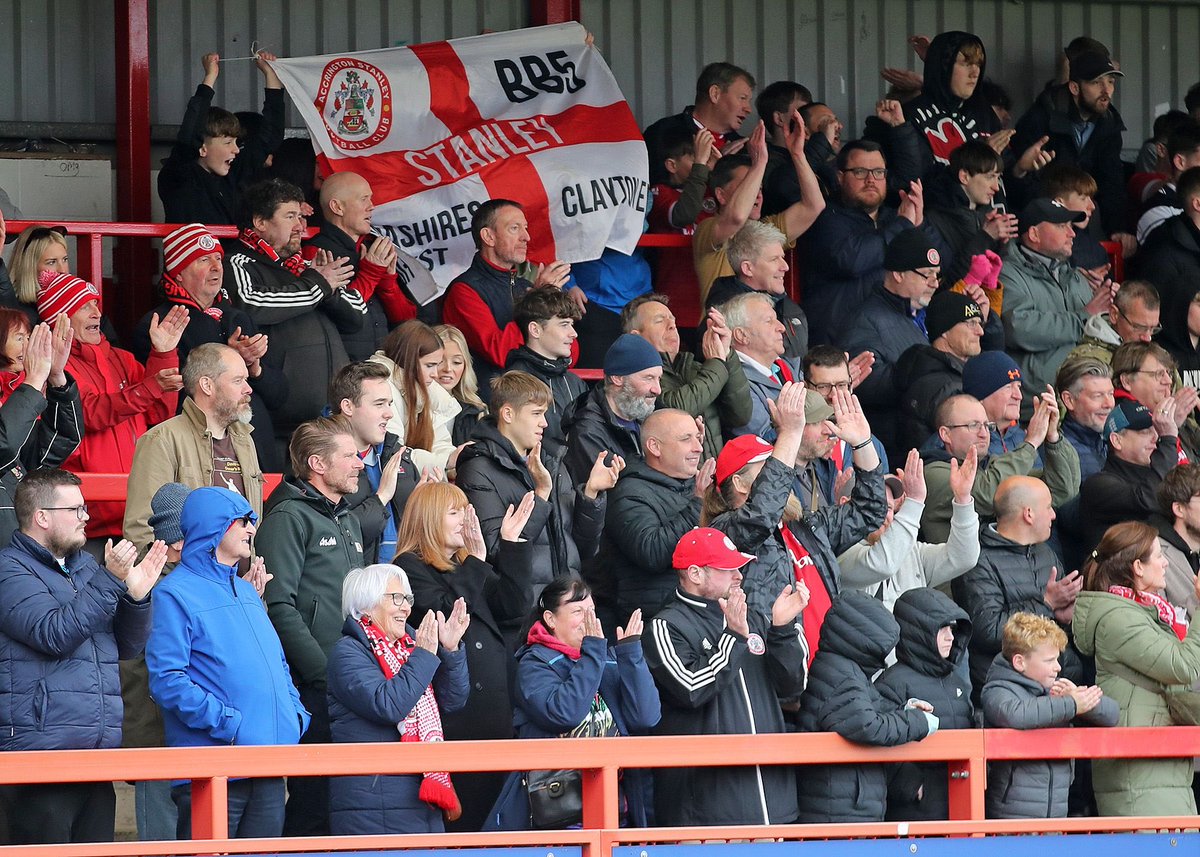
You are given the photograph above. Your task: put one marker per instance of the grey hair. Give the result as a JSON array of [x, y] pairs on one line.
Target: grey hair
[[363, 587], [749, 242], [204, 361], [735, 308]]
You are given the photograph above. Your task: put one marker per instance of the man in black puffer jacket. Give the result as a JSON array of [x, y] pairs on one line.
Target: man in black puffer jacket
[[505, 462], [856, 637], [934, 633]]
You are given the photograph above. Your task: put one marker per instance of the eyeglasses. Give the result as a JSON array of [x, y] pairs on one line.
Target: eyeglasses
[[399, 599], [825, 389], [1138, 328], [245, 520], [927, 275], [975, 426], [1157, 374], [81, 512], [861, 173]]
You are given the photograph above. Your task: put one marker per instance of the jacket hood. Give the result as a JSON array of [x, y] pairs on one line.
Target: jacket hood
[[1001, 669], [929, 455], [526, 360], [990, 537], [206, 516], [1098, 328], [939, 64], [859, 627], [1175, 303], [921, 613]]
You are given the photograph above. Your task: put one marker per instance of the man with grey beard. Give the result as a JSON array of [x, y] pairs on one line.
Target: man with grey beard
[[208, 444], [609, 418]]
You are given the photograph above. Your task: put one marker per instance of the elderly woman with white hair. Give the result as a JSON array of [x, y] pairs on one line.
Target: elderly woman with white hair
[[389, 682]]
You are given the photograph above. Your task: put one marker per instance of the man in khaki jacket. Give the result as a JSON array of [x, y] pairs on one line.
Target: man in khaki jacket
[[209, 444]]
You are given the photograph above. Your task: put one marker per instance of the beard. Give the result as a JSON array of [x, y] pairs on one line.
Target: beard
[[632, 405], [229, 412], [64, 546]]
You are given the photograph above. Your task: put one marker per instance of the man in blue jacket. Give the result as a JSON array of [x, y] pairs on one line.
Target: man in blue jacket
[[66, 622], [216, 665]]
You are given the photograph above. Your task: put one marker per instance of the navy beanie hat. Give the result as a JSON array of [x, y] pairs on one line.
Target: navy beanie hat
[[986, 373], [630, 354]]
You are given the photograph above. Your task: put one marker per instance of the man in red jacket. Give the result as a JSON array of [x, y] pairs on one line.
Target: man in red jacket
[[480, 300]]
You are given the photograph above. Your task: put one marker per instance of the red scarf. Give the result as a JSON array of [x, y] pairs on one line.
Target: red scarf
[[177, 294], [806, 572], [1168, 612], [294, 263], [541, 636], [423, 723]]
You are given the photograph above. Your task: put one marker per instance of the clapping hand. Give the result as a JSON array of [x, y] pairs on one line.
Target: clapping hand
[[1060, 594], [337, 272], [787, 411], [473, 535], [734, 608], [39, 355], [790, 604], [704, 476], [962, 476], [258, 576], [250, 348], [515, 519], [165, 334], [860, 367], [555, 275], [542, 484], [633, 628], [591, 624], [60, 348], [913, 476], [427, 633], [603, 476], [140, 579], [1033, 159], [119, 558], [450, 629]]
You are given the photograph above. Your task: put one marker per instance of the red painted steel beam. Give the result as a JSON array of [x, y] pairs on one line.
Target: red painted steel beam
[[134, 262], [552, 12]]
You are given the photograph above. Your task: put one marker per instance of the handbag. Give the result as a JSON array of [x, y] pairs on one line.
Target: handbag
[[1183, 703], [556, 797]]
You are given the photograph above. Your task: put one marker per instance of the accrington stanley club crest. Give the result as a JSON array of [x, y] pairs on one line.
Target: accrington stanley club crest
[[355, 102]]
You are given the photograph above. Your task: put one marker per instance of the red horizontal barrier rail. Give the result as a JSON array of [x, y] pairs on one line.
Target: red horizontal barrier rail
[[965, 751]]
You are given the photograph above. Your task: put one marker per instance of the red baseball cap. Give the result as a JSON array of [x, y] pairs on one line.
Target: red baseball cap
[[704, 546], [742, 450]]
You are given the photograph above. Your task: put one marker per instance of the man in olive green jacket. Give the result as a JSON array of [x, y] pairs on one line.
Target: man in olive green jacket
[[209, 444], [962, 423], [716, 390]]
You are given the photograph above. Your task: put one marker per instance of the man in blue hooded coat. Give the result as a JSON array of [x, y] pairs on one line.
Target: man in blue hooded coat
[[217, 668]]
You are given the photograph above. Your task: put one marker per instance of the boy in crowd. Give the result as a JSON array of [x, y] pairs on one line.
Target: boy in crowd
[[679, 203], [547, 320], [201, 181], [1023, 691]]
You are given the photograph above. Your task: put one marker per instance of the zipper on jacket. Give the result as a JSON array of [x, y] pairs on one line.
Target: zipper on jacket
[[762, 791]]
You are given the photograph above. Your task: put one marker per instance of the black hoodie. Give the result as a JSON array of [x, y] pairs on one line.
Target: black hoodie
[[922, 673], [944, 120]]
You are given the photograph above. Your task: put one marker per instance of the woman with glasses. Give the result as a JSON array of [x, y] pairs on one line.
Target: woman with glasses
[[389, 682], [440, 545]]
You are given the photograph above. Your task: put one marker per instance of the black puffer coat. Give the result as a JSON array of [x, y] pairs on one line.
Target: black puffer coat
[[922, 673], [857, 635], [564, 385], [560, 530], [1010, 577]]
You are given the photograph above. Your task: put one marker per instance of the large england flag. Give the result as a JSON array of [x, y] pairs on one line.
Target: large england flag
[[531, 115]]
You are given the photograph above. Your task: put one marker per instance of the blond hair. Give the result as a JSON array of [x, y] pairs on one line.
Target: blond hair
[[27, 252], [1024, 632], [467, 388]]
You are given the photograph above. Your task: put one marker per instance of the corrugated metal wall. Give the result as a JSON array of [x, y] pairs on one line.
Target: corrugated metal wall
[[56, 56]]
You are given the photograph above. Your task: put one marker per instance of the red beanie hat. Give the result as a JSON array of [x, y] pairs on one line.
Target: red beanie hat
[[63, 293], [187, 244]]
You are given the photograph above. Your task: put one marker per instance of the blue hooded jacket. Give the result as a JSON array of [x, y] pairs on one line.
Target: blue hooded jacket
[[216, 666]]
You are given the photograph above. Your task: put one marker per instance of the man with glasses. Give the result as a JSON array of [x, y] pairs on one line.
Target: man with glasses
[[843, 252], [962, 423], [216, 665], [67, 620], [1144, 372], [1133, 317], [1046, 300], [891, 321]]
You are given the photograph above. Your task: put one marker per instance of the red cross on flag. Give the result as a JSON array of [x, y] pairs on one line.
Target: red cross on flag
[[531, 115]]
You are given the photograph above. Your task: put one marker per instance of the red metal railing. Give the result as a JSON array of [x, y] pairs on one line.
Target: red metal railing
[[965, 751]]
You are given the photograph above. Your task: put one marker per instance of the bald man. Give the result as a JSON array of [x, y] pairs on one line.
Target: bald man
[[347, 205], [1017, 572]]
